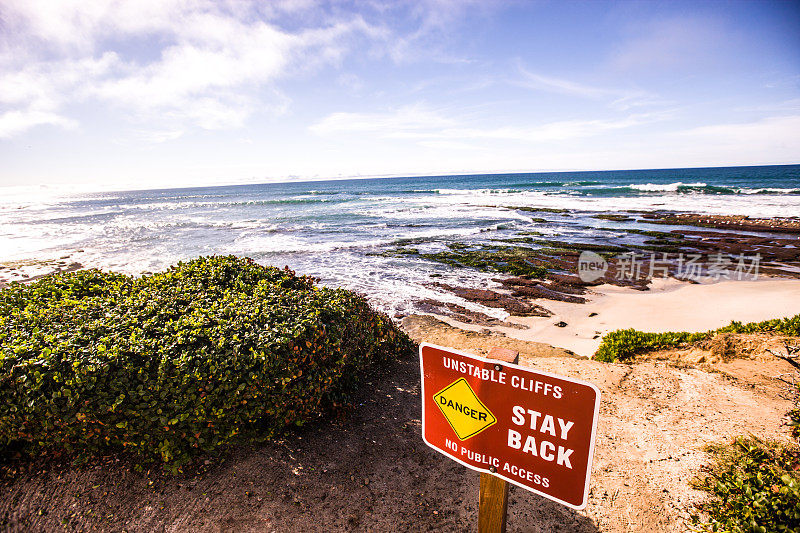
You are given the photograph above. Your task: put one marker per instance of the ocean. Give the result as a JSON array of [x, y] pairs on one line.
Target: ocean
[[338, 230]]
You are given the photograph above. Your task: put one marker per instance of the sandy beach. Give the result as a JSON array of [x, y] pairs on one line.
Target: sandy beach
[[669, 305]]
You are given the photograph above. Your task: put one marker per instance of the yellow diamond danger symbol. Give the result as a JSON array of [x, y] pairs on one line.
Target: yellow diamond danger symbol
[[463, 410]]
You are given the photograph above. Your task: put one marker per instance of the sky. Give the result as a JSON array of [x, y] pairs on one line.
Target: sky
[[167, 93]]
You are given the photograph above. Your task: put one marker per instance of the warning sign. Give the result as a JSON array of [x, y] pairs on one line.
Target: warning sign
[[533, 429], [463, 409]]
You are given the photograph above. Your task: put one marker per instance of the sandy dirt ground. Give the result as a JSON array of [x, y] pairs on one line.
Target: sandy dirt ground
[[370, 470], [668, 305], [26, 271]]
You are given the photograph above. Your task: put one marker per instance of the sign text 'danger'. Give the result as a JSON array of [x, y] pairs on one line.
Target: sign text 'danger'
[[533, 429]]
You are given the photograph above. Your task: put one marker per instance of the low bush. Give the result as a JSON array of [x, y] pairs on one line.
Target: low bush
[[623, 344], [785, 326], [794, 422], [212, 351], [754, 487]]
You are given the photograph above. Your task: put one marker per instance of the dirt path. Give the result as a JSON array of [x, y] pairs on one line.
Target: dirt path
[[371, 471]]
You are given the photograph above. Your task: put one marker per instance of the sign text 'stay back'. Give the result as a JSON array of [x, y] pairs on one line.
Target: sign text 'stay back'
[[533, 429]]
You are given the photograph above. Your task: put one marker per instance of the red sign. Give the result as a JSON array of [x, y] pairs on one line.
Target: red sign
[[533, 429]]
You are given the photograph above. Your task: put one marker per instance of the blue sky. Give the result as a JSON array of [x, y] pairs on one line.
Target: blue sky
[[145, 93]]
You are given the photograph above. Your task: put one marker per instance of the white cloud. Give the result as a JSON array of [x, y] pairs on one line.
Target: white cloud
[[452, 145], [157, 136], [14, 122], [426, 125], [179, 63], [559, 85], [615, 98], [413, 119], [768, 135], [639, 100], [34, 93], [78, 26], [553, 131], [45, 84], [434, 22], [784, 106], [204, 73]]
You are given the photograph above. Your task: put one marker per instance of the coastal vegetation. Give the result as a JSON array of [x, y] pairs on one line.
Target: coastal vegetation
[[754, 485], [623, 344], [207, 353]]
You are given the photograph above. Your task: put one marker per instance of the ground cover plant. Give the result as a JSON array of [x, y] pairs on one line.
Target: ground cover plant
[[754, 487], [166, 366], [623, 344]]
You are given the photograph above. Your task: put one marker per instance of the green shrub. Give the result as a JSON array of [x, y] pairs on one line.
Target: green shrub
[[209, 352], [754, 487], [794, 422], [623, 344], [785, 326]]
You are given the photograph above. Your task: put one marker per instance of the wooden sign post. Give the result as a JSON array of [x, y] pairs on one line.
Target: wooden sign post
[[512, 424], [493, 498], [493, 504]]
